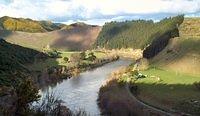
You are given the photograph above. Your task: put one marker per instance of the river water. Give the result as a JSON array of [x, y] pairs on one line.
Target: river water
[[81, 92]]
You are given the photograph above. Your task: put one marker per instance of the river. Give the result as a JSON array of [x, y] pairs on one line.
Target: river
[[81, 92]]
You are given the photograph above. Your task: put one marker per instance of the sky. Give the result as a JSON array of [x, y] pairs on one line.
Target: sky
[[98, 12]]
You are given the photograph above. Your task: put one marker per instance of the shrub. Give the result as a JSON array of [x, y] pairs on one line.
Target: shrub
[[91, 56], [54, 54], [51, 105], [134, 89], [27, 93], [197, 85], [82, 56], [66, 59]]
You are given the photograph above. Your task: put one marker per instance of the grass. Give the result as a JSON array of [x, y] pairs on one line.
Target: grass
[[41, 65], [63, 39], [169, 77], [100, 54], [184, 56], [190, 27], [165, 89], [177, 68]]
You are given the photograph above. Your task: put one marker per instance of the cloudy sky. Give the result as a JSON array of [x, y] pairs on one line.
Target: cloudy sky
[[98, 11]]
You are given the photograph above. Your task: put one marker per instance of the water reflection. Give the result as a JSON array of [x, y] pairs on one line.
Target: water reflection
[[81, 92]]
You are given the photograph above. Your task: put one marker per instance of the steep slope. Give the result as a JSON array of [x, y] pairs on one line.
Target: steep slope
[[138, 34], [182, 54], [26, 25], [190, 27], [73, 37], [12, 60], [16, 83]]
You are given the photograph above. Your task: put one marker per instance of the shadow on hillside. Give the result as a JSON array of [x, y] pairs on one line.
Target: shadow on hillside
[[5, 33], [183, 53], [79, 38], [180, 97], [47, 73]]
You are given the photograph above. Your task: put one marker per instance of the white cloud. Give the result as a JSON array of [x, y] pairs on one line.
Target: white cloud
[[91, 10]]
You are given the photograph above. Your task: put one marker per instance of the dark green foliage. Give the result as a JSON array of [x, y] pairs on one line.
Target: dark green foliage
[[136, 34], [26, 92], [54, 54], [66, 59], [197, 85], [82, 56], [15, 75], [12, 60], [91, 56], [160, 43]]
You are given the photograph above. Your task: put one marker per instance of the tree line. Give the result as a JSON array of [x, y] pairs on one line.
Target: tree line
[[136, 33]]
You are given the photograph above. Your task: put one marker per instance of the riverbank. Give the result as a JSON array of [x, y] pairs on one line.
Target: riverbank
[[55, 74], [117, 99], [76, 92], [39, 74], [133, 92]]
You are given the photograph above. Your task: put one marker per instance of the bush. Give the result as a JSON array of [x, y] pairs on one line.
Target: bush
[[134, 89], [82, 56], [27, 93], [51, 105], [91, 56], [66, 59], [137, 75], [54, 54], [197, 85]]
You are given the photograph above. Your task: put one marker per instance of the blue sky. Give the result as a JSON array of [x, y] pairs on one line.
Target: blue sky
[[98, 11]]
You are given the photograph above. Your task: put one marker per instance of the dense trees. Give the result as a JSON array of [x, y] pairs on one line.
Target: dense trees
[[136, 33], [12, 60], [16, 77]]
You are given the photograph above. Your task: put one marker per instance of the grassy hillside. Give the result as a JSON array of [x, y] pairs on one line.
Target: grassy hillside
[[173, 76], [136, 34], [26, 25], [13, 58], [182, 54], [72, 37], [190, 27]]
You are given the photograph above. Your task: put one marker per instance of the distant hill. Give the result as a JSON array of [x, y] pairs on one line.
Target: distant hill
[[27, 25], [138, 34], [77, 36], [182, 54]]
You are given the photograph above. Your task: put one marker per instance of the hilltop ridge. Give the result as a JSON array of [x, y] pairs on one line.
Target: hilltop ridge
[[27, 25]]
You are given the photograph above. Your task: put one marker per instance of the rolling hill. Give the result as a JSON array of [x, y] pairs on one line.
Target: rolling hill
[[78, 36], [27, 25]]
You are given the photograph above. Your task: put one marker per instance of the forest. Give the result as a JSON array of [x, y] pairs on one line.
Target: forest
[[137, 33]]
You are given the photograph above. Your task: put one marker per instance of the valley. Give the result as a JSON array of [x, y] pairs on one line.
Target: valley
[[161, 73]]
